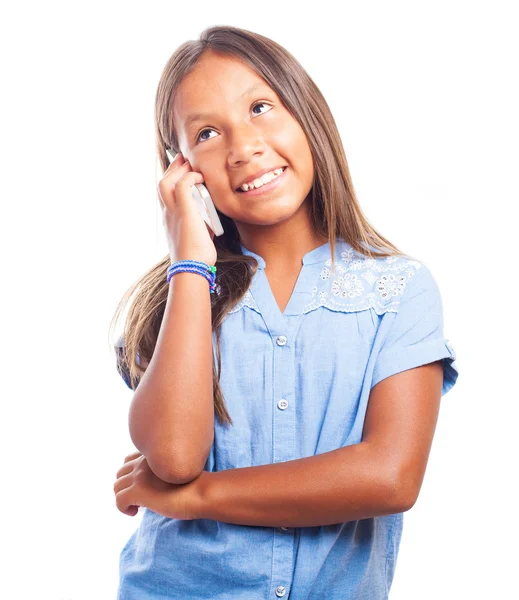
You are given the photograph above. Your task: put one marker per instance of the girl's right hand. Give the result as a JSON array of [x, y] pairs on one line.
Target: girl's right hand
[[188, 236]]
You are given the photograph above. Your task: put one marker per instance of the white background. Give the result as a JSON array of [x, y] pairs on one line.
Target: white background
[[425, 98]]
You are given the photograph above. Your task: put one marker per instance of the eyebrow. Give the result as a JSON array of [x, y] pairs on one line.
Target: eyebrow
[[201, 116]]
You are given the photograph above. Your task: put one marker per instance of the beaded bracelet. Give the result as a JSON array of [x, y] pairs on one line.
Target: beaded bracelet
[[194, 266]]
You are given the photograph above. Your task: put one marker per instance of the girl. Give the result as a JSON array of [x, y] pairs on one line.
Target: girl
[[284, 414]]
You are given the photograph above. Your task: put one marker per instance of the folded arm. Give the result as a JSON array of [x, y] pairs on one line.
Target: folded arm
[[381, 475]]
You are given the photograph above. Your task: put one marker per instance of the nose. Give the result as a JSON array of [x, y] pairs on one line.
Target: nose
[[245, 144]]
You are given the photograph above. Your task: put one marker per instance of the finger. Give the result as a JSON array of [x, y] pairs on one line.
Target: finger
[[123, 503], [128, 464], [178, 161], [182, 192], [166, 186], [171, 157], [177, 193], [132, 456], [125, 469], [123, 482]]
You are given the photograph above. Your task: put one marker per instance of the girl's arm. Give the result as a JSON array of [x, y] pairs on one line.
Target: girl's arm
[[171, 418], [381, 475]]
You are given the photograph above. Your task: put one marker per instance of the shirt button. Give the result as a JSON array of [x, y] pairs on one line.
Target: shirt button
[[281, 341], [280, 591], [282, 404]]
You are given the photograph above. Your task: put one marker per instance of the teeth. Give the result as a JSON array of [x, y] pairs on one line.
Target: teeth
[[261, 180]]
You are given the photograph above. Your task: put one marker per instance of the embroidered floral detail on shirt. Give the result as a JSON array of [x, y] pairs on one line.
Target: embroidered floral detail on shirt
[[362, 282], [369, 277], [347, 286], [389, 285], [247, 300], [358, 283], [347, 255]]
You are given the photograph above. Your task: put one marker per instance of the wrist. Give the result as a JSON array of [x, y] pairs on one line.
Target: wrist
[[207, 271]]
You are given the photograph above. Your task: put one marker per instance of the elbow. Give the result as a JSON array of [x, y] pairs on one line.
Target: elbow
[[403, 493], [173, 471], [403, 503]]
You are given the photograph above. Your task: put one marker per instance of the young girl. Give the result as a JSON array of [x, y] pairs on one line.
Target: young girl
[[285, 404]]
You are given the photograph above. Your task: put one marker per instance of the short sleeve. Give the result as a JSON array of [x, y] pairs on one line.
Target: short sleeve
[[415, 336], [122, 368]]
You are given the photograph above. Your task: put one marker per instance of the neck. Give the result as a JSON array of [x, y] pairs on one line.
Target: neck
[[283, 245]]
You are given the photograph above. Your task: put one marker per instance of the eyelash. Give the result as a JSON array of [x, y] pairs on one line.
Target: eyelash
[[197, 140]]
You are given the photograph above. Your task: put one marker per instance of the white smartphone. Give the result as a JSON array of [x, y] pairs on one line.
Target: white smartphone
[[205, 203]]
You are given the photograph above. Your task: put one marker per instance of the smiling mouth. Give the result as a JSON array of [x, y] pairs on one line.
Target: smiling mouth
[[266, 186]]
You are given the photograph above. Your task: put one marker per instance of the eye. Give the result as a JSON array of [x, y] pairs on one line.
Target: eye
[[198, 138], [259, 104]]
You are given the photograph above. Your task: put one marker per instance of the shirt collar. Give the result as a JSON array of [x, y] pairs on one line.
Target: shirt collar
[[317, 255]]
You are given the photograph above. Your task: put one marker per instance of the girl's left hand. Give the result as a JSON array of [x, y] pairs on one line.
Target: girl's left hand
[[137, 485]]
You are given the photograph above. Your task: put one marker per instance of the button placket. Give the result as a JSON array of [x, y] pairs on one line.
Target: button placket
[[284, 448]]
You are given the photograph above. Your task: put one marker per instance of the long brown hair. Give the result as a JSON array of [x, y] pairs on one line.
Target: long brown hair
[[335, 211]]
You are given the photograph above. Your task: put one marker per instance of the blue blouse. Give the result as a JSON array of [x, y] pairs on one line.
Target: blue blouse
[[297, 384]]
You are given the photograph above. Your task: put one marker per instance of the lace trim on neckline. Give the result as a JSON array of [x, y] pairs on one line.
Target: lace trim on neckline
[[359, 283], [247, 300]]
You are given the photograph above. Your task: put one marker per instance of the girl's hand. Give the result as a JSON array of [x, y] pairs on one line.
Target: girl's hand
[[137, 485], [189, 237]]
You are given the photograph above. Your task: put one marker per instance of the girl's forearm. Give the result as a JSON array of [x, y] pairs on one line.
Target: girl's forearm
[[171, 416], [346, 484]]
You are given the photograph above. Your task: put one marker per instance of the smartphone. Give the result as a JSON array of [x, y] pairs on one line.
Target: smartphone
[[205, 203]]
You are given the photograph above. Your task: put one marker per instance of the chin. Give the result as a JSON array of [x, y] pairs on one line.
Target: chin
[[270, 216]]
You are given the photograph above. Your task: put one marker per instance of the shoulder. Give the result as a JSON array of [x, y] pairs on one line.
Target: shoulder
[[357, 282]]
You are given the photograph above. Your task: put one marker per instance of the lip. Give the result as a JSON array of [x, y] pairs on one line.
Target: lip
[[267, 187], [251, 178]]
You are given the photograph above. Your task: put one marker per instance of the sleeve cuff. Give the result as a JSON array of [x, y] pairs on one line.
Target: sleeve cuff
[[417, 356]]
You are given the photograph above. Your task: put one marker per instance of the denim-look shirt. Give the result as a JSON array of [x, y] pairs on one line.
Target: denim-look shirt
[[297, 384]]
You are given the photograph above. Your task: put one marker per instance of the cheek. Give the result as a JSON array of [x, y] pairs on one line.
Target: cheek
[[305, 160], [211, 169], [290, 140], [284, 136]]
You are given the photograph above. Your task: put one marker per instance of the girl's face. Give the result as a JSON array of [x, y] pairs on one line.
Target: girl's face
[[229, 132]]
